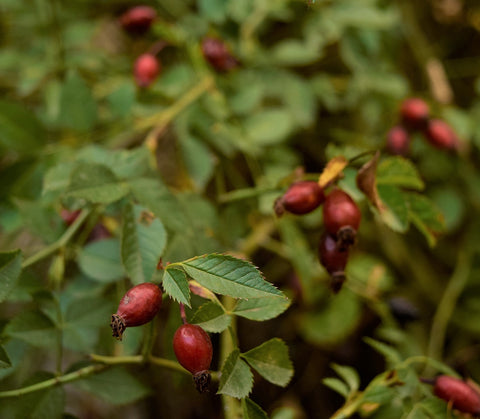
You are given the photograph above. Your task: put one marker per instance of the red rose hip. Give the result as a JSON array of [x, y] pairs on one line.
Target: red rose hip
[[138, 20], [217, 54], [398, 141], [441, 135], [138, 306], [414, 113], [193, 349], [341, 217], [146, 70], [300, 198], [462, 396], [334, 259]]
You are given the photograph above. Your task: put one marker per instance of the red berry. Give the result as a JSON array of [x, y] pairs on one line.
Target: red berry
[[441, 135], [138, 306], [217, 54], [138, 20], [193, 349], [462, 396], [300, 198], [341, 217], [69, 216], [398, 140], [414, 113], [334, 259], [146, 69]]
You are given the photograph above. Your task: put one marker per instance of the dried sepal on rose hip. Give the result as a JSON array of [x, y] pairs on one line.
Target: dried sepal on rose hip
[[341, 217], [459, 393], [300, 198], [138, 20], [138, 306], [334, 259], [194, 351]]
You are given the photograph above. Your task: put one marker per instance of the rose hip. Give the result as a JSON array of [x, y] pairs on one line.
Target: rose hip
[[398, 140], [300, 198], [414, 113], [334, 259], [441, 135], [138, 306], [138, 20], [193, 349], [146, 69], [217, 54]]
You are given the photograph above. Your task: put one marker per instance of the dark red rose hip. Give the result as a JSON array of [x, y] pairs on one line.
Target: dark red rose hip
[[146, 70], [398, 141], [441, 135], [334, 260], [462, 396], [193, 349], [138, 306], [217, 54], [138, 20], [341, 217], [414, 113], [300, 198], [69, 216]]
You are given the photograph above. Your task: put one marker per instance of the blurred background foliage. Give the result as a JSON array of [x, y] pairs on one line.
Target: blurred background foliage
[[208, 153]]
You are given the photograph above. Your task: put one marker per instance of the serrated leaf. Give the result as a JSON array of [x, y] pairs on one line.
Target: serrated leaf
[[236, 379], [426, 216], [227, 275], [34, 328], [390, 353], [261, 309], [175, 284], [10, 269], [395, 210], [116, 386], [400, 172], [101, 260], [57, 178], [143, 242], [4, 359], [211, 317], [95, 183], [332, 170], [349, 375], [269, 127], [271, 361], [336, 385], [252, 410]]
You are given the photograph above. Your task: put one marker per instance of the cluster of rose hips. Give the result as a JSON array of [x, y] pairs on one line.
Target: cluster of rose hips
[[191, 344], [341, 218], [138, 20], [415, 117]]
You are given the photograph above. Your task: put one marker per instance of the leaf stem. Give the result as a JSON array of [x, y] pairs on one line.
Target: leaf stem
[[62, 241], [62, 379]]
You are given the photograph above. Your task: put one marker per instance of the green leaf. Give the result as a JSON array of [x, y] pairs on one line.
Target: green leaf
[[4, 359], [34, 328], [213, 10], [426, 216], [78, 109], [390, 353], [400, 172], [175, 284], [252, 410], [336, 385], [229, 276], [395, 215], [95, 183], [261, 309], [269, 127], [10, 269], [101, 261], [19, 129], [349, 375], [292, 52], [236, 379], [211, 317], [271, 361], [57, 178], [116, 386], [143, 242]]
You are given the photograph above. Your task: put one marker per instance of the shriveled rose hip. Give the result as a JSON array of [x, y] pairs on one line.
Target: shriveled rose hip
[[398, 140], [301, 198], [441, 135], [138, 306], [138, 19], [193, 349], [462, 396], [146, 69], [334, 260], [218, 55], [414, 113]]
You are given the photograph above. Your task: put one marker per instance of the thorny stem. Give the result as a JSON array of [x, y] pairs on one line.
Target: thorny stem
[[62, 241]]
